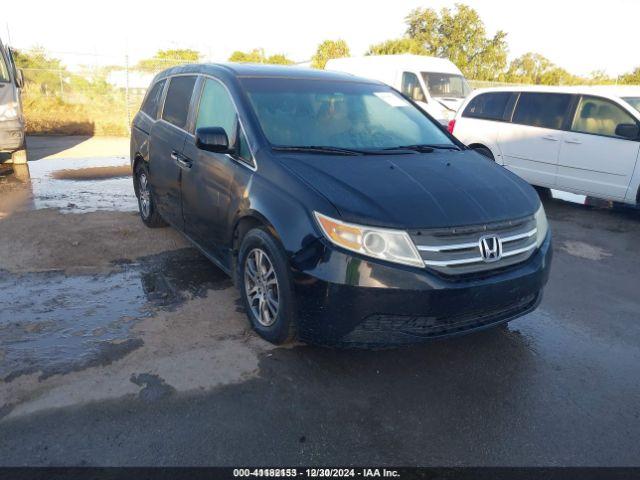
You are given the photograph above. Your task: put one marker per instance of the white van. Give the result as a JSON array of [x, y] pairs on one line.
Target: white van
[[12, 141], [584, 140], [435, 84]]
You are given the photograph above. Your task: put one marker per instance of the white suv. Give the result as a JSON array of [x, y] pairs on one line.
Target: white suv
[[584, 140]]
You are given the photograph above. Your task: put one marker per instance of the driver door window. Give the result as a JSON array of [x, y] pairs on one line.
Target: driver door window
[[599, 117], [217, 110], [593, 160], [411, 87]]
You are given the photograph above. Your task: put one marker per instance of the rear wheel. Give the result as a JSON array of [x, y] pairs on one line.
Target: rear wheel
[[146, 202], [485, 152], [266, 287]]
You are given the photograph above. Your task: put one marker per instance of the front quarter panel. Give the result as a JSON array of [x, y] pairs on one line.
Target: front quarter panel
[[275, 197]]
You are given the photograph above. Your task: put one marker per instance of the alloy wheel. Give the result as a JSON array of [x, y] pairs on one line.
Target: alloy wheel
[[144, 195], [261, 287]]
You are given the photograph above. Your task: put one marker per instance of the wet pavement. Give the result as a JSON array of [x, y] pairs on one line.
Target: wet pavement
[[52, 323], [149, 360], [73, 185]]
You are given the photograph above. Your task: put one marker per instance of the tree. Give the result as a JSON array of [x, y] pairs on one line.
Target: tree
[[600, 77], [257, 55], [397, 46], [279, 59], [536, 69], [327, 50], [631, 78], [169, 58], [460, 36], [254, 56]]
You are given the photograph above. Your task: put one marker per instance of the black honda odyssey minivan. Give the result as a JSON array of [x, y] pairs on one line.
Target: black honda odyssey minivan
[[344, 213]]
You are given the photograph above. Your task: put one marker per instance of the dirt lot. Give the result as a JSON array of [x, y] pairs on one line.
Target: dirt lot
[[121, 345]]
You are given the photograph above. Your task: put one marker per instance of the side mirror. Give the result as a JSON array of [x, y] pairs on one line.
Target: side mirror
[[628, 130], [212, 139], [19, 78]]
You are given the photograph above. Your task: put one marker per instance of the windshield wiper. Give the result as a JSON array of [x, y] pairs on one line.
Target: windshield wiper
[[424, 148], [318, 149]]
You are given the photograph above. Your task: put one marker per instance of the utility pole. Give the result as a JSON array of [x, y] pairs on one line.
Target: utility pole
[[126, 90]]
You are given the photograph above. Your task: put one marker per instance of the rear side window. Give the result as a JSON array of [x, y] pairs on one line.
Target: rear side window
[[490, 106], [176, 105], [150, 105], [546, 110]]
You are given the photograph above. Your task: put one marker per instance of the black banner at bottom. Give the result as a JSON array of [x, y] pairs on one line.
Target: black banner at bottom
[[426, 473]]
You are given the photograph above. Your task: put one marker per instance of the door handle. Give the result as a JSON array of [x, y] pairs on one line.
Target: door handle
[[550, 137], [174, 155], [574, 142], [184, 162]]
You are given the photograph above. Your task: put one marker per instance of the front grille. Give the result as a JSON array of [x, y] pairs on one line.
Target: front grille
[[457, 251]]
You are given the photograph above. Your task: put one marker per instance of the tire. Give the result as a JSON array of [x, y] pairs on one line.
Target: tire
[[544, 193], [260, 286], [484, 151], [146, 203], [19, 157]]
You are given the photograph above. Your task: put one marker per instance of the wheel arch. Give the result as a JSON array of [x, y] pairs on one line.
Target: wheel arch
[[482, 145], [134, 165]]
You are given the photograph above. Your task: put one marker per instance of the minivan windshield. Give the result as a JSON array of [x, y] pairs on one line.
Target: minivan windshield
[[4, 70], [340, 114], [633, 101], [446, 85]]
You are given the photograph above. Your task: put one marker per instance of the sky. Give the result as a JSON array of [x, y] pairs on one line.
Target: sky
[[581, 36]]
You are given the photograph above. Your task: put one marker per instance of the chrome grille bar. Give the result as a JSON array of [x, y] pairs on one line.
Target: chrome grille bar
[[468, 245]]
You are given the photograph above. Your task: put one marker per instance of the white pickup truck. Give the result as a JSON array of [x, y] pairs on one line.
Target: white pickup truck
[[12, 126]]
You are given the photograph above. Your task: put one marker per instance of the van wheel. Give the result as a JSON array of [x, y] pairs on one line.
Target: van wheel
[[543, 192], [266, 287], [146, 202], [19, 157], [485, 152]]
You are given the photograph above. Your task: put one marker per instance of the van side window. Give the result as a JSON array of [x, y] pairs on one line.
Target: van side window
[[176, 105], [217, 110], [489, 106], [546, 110], [599, 117], [411, 87], [150, 105]]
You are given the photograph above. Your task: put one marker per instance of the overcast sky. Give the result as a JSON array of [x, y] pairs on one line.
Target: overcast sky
[[580, 36]]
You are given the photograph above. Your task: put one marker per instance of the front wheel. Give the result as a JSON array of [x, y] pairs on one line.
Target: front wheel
[[266, 287]]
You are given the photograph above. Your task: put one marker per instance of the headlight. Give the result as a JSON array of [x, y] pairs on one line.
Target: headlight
[[9, 111], [391, 245], [542, 225]]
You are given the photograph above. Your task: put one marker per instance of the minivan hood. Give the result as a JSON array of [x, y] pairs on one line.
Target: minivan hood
[[430, 190]]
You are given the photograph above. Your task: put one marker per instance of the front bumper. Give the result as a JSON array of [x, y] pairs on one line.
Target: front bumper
[[11, 135], [349, 300]]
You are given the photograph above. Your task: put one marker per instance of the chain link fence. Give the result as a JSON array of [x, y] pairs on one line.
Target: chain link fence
[[98, 95]]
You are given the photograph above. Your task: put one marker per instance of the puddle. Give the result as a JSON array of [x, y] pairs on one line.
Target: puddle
[[73, 184], [53, 323]]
